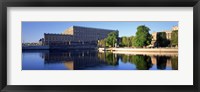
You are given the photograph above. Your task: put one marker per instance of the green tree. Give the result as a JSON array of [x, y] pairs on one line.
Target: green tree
[[125, 41], [143, 37], [174, 39], [102, 43], [162, 40], [132, 40], [111, 40]]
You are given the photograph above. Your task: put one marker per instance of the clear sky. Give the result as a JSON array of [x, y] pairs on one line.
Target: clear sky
[[33, 31]]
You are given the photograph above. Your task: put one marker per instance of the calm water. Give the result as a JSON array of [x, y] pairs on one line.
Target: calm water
[[92, 60]]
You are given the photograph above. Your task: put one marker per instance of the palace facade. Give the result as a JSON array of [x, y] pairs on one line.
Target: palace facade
[[76, 35]]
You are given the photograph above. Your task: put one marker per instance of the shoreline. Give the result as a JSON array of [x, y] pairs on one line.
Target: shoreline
[[120, 49], [144, 53], [141, 51]]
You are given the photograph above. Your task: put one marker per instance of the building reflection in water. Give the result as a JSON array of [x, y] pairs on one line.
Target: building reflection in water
[[83, 60]]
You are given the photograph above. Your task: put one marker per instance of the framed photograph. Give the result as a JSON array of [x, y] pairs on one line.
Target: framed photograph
[[85, 45]]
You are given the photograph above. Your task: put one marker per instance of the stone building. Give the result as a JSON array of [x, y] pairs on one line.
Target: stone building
[[41, 41], [168, 35], [76, 35], [175, 28]]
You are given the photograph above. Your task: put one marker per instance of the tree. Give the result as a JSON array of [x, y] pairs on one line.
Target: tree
[[162, 40], [174, 39], [101, 43], [132, 40], [127, 41], [143, 37], [111, 39]]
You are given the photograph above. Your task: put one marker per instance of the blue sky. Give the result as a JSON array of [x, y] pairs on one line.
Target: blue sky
[[33, 31]]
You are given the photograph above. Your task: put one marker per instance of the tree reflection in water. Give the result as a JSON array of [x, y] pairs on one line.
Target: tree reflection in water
[[161, 62], [84, 60], [174, 61], [111, 59], [142, 62]]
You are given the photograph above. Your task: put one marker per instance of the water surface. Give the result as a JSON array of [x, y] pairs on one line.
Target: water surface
[[93, 60]]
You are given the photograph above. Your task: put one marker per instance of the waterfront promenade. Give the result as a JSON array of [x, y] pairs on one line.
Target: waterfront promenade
[[148, 51]]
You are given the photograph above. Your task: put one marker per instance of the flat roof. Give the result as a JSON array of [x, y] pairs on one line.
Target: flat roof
[[94, 28]]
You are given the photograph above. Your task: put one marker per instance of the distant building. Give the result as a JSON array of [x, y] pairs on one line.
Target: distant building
[[168, 35], [76, 35], [175, 28], [41, 41]]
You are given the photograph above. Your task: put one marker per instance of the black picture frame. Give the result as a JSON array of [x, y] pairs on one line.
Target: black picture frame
[[100, 3]]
